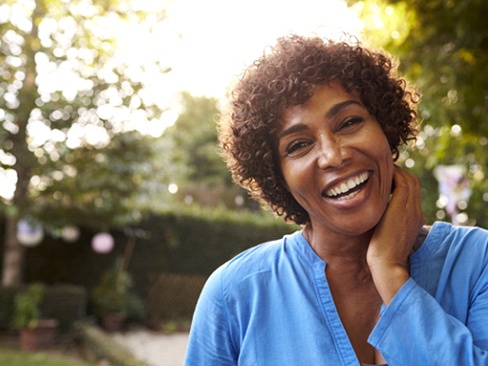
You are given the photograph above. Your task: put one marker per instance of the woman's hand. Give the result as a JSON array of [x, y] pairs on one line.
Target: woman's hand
[[395, 235]]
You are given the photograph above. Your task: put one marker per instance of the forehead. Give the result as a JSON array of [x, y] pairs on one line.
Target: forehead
[[327, 100]]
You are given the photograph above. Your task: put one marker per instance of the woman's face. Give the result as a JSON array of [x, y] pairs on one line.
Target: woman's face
[[336, 161]]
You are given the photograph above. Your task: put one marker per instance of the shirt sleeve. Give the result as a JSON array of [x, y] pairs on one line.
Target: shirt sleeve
[[210, 340], [415, 330]]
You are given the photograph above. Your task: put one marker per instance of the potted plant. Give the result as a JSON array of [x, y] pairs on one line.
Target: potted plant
[[113, 298], [35, 331]]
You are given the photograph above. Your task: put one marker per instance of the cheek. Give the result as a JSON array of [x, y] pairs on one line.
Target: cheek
[[294, 177], [380, 151], [289, 178]]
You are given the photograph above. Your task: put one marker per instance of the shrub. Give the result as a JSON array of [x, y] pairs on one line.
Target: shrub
[[27, 311], [66, 303]]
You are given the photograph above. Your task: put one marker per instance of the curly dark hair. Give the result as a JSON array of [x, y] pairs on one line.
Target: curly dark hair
[[286, 76]]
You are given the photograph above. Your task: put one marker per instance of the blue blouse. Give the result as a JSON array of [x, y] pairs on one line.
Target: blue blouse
[[272, 305]]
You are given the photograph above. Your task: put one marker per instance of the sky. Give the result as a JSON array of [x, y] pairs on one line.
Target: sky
[[207, 44], [216, 39]]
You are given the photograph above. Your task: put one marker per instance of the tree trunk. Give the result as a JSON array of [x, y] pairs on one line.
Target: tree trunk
[[13, 255], [24, 160]]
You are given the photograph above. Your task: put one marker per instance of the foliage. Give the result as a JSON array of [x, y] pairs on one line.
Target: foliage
[[27, 310], [72, 108], [385, 25], [71, 134], [194, 138], [443, 49], [7, 297], [197, 168], [114, 295], [182, 239], [65, 303], [109, 191], [446, 52], [196, 240]]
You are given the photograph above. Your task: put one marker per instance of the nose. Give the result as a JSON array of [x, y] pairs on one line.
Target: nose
[[332, 153]]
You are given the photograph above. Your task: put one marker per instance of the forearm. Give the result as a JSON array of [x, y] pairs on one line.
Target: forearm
[[388, 279]]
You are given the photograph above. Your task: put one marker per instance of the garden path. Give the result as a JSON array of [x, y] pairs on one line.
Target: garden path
[[155, 348]]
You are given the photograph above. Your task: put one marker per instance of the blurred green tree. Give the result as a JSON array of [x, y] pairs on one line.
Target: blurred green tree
[[443, 49], [194, 137], [71, 108], [198, 169]]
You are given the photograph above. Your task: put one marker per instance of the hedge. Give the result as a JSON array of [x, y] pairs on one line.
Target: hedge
[[186, 241], [198, 241]]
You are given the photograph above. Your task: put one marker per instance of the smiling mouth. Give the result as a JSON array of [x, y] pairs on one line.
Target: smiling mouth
[[347, 187]]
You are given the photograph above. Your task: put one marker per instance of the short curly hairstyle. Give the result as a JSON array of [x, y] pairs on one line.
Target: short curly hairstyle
[[286, 76]]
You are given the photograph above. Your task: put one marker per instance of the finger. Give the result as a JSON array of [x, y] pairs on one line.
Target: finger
[[401, 193], [414, 201], [409, 195]]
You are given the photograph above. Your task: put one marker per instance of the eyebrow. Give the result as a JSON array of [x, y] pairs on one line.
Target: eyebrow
[[339, 107], [336, 108], [292, 129]]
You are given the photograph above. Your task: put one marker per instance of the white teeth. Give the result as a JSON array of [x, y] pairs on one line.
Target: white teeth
[[344, 187]]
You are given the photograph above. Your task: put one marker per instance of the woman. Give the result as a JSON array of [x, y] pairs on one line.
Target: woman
[[313, 131]]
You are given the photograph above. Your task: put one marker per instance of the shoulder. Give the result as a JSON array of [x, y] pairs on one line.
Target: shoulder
[[254, 263], [460, 236], [261, 257], [447, 233], [455, 243]]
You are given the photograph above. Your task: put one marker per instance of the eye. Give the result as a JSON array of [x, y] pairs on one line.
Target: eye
[[295, 146], [351, 124], [352, 121]]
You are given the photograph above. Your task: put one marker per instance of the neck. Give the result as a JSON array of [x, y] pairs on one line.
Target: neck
[[338, 251]]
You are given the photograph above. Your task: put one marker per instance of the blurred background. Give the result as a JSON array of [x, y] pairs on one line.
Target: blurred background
[[112, 191]]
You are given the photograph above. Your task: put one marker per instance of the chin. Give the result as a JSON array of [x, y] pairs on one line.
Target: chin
[[364, 226]]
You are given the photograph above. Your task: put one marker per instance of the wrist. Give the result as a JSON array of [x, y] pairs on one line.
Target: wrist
[[388, 279]]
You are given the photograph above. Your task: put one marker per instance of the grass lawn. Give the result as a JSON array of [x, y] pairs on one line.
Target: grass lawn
[[14, 357]]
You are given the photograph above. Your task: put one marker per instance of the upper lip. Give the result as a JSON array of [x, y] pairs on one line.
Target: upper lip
[[342, 184]]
